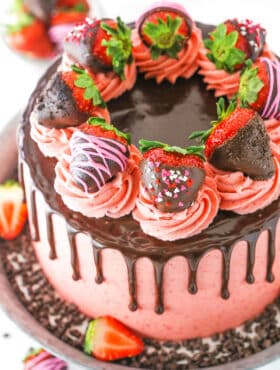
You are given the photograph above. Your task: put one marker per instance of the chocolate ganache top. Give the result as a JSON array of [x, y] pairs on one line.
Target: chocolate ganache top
[[164, 112]]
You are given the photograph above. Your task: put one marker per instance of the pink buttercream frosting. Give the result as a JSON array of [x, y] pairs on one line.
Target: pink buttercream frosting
[[173, 226], [53, 142], [241, 194], [45, 361], [165, 67], [109, 83], [223, 82], [273, 130], [115, 199]]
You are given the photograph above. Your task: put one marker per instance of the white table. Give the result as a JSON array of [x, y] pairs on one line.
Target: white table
[[18, 77]]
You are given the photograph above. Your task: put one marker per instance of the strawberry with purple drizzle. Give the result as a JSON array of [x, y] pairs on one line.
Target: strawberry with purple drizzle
[[42, 360], [233, 42], [260, 88], [165, 29], [171, 175], [100, 45], [98, 154]]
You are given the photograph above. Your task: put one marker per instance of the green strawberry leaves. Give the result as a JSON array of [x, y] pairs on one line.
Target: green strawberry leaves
[[145, 145], [223, 112], [96, 121], [119, 46], [84, 81], [250, 85], [222, 50], [22, 19], [165, 38]]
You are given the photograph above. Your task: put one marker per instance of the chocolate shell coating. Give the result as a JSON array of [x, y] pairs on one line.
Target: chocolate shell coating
[[41, 9], [56, 107], [79, 48], [248, 151], [172, 189]]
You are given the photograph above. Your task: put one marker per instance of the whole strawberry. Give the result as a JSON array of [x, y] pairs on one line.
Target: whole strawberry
[[98, 153], [260, 88], [233, 42], [171, 175], [238, 141], [69, 99], [100, 45], [165, 30]]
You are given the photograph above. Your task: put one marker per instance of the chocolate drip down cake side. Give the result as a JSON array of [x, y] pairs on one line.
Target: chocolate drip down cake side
[[150, 162]]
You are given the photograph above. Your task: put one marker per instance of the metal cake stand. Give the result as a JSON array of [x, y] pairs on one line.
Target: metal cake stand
[[17, 312]]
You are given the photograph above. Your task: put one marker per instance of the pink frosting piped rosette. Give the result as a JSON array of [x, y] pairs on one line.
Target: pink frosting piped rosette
[[242, 195], [174, 226], [165, 67], [115, 199], [272, 105]]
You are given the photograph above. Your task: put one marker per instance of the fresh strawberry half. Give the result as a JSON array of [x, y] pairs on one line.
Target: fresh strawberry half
[[13, 212], [238, 141], [100, 45], [260, 88], [69, 99], [233, 42], [108, 339], [165, 30], [171, 175], [98, 153], [29, 35]]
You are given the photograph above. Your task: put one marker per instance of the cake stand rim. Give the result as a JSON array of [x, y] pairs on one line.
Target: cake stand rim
[[15, 310]]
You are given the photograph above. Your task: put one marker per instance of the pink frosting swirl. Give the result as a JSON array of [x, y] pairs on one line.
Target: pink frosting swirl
[[115, 199], [174, 226], [241, 194], [109, 83], [45, 361], [53, 142], [165, 67], [273, 130], [223, 82]]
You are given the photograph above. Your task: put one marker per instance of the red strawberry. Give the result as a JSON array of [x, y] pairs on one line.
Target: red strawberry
[[81, 5], [238, 141], [260, 88], [31, 38], [165, 30], [100, 45], [67, 16], [68, 99], [108, 339], [13, 212], [171, 175], [233, 42], [98, 153]]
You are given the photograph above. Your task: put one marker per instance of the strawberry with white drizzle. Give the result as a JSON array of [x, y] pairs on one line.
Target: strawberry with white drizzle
[[98, 153]]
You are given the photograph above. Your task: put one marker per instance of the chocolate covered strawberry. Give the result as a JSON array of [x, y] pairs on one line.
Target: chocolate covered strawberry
[[165, 30], [108, 339], [233, 42], [68, 99], [41, 9], [69, 12], [171, 175], [238, 141], [98, 153], [260, 88], [100, 45], [13, 211]]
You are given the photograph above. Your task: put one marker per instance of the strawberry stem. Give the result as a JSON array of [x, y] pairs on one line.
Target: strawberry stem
[[96, 121], [250, 85]]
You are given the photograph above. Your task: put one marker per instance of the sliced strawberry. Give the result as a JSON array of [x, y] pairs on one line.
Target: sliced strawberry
[[171, 175], [233, 42], [165, 30], [32, 39], [108, 339], [100, 45], [13, 212], [238, 141]]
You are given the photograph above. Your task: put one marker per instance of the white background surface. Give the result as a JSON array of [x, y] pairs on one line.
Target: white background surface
[[18, 77]]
